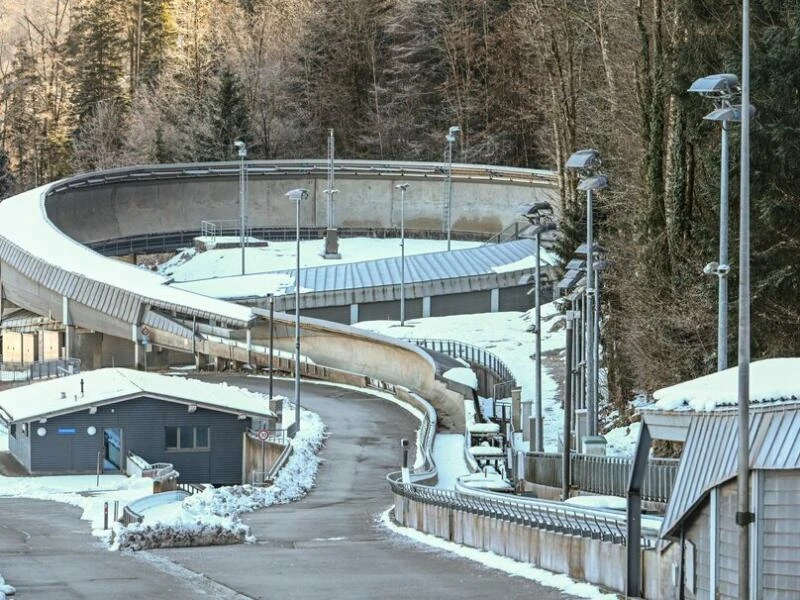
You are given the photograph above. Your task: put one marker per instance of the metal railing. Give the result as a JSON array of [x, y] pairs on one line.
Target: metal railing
[[41, 369], [165, 242], [605, 475], [498, 380], [541, 514]]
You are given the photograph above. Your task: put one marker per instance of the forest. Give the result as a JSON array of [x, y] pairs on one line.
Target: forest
[[92, 84]]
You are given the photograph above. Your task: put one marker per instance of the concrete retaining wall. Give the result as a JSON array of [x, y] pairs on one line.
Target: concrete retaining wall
[[584, 559]]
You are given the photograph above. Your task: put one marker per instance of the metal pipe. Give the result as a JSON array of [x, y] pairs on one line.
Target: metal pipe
[[449, 186], [538, 391], [271, 340], [567, 413], [591, 400], [722, 300], [297, 322], [743, 516]]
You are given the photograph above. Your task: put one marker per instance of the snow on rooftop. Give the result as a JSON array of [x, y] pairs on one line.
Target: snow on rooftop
[[63, 394], [23, 222], [771, 380]]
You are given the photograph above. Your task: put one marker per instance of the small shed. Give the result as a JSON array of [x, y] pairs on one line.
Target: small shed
[[95, 420], [701, 513]]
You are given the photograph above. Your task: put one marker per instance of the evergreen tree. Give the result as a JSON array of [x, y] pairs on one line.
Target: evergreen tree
[[6, 176], [228, 119], [152, 37], [97, 49]]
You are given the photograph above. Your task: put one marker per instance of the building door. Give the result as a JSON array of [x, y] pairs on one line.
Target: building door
[[112, 449]]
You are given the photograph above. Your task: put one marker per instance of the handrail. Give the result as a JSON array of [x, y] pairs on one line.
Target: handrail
[[606, 475], [503, 378], [542, 514]]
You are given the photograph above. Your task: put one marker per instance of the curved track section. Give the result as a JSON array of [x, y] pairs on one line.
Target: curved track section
[[46, 268]]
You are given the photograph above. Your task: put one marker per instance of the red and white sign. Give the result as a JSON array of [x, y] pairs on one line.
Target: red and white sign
[[263, 435]]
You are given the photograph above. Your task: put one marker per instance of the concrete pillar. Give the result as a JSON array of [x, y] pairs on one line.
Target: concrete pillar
[[495, 300], [581, 425], [516, 420], [249, 346], [426, 306], [69, 328], [353, 313], [533, 429], [526, 409]]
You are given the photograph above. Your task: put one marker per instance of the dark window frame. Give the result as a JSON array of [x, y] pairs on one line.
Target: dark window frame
[[178, 436]]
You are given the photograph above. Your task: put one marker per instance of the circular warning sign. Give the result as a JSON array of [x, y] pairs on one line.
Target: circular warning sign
[[263, 435]]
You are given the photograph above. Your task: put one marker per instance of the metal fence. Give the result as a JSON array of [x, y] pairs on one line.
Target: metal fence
[[605, 475], [551, 516], [166, 242], [498, 380], [40, 369]]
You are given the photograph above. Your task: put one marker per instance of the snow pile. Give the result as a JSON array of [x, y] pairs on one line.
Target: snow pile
[[5, 589], [180, 534], [769, 381], [212, 516]]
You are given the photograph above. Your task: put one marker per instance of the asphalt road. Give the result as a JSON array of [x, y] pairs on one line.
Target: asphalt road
[[327, 545]]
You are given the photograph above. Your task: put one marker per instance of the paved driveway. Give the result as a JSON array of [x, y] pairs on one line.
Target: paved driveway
[[326, 546]]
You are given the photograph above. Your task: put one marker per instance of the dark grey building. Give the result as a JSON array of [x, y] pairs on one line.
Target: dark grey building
[[97, 419]]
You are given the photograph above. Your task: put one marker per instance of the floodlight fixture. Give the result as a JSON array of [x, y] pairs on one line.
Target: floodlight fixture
[[721, 85], [241, 147], [584, 160], [594, 182]]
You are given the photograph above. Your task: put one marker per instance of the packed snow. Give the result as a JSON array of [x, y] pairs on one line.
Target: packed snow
[[770, 381], [462, 375], [448, 454]]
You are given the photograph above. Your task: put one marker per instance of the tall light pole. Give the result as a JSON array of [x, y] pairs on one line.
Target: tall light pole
[[402, 187], [722, 89], [538, 216], [587, 164], [242, 185], [297, 196], [451, 136], [743, 515], [331, 235]]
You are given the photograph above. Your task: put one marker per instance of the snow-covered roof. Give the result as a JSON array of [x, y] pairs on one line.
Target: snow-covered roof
[[771, 380], [107, 386]]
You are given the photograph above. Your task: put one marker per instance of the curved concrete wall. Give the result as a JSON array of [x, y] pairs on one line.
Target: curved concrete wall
[[114, 204]]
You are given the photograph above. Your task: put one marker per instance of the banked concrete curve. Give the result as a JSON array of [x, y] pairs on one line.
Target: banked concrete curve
[[113, 313]]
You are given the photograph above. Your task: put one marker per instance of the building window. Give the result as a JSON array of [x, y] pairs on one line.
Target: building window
[[187, 437], [12, 431]]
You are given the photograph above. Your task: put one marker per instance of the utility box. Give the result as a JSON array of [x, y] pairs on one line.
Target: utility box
[[594, 444]]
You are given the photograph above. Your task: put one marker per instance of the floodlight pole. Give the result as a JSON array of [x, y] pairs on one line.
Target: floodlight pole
[[242, 185], [271, 340], [591, 400], [538, 392], [297, 195], [451, 137], [743, 515], [722, 294], [402, 187]]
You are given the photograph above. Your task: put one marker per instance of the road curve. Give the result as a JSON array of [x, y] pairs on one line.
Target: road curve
[[328, 544]]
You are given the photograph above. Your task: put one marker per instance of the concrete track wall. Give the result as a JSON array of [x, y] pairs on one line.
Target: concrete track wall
[[368, 199], [584, 559]]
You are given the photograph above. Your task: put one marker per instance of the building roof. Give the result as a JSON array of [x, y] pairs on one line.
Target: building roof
[[771, 380], [108, 386], [431, 266], [710, 453]]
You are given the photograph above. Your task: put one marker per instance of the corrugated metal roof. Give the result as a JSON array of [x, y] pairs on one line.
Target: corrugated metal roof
[[710, 454], [23, 319], [468, 262]]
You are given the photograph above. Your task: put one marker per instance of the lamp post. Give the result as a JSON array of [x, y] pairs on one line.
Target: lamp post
[[271, 339], [402, 187], [722, 89], [242, 186], [451, 136], [331, 235], [538, 216], [587, 164], [743, 515], [297, 196]]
